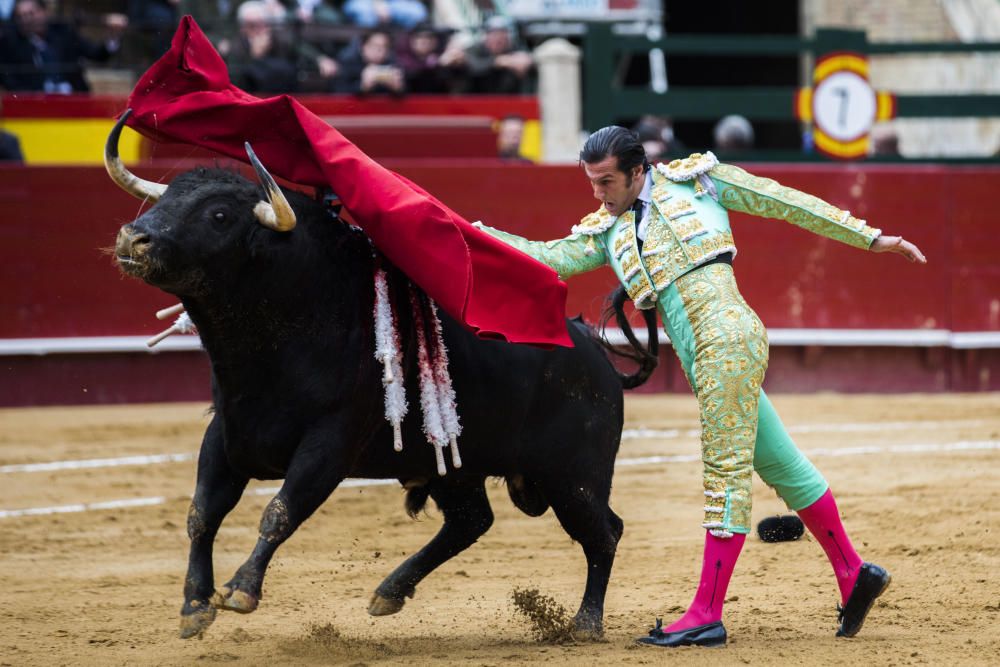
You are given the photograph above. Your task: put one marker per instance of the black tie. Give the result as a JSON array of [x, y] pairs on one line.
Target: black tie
[[637, 210]]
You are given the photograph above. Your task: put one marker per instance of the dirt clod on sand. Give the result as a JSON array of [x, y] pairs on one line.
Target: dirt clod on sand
[[550, 622]]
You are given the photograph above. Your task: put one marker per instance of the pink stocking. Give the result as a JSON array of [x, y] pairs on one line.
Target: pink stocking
[[823, 520], [717, 567]]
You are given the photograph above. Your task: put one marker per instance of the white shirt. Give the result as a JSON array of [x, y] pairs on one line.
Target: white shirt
[[645, 197]]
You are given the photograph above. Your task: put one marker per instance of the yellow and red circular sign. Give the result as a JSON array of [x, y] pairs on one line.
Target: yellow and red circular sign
[[842, 105]]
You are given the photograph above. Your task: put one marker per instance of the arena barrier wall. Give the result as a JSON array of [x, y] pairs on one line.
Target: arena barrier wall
[[72, 328], [71, 129]]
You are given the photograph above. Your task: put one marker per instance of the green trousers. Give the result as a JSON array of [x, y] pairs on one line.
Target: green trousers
[[722, 346]]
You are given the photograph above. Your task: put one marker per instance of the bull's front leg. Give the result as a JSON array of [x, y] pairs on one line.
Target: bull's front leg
[[217, 491], [319, 464]]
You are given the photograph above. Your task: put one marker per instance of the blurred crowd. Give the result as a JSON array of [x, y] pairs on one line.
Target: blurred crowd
[[359, 47], [272, 46]]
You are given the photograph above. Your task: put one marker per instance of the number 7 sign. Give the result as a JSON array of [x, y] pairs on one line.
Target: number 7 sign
[[842, 105]]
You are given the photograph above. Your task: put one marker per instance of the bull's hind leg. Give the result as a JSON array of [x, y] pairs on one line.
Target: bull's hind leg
[[217, 491], [584, 513], [467, 515], [315, 470]]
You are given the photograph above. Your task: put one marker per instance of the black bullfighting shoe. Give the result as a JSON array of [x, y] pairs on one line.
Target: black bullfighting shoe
[[709, 635], [872, 582]]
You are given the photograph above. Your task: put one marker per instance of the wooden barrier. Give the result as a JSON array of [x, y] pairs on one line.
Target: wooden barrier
[[930, 327]]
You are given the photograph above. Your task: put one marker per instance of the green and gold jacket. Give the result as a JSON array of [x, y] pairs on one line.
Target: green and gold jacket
[[688, 225]]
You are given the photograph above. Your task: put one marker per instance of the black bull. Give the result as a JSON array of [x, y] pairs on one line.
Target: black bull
[[286, 319]]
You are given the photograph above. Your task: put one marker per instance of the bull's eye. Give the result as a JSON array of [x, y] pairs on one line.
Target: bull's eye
[[219, 216]]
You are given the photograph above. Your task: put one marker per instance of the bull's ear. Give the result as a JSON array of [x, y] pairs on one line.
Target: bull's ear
[[125, 179], [275, 213]]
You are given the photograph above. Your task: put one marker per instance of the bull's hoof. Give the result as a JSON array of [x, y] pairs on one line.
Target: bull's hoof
[[380, 606], [195, 623], [588, 634], [235, 600], [587, 629]]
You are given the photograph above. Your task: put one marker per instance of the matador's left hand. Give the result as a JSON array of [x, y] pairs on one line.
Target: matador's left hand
[[899, 245]]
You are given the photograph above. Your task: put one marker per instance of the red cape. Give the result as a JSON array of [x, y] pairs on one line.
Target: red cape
[[496, 291]]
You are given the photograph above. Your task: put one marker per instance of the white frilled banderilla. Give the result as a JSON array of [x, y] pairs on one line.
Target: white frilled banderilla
[[437, 396], [182, 324]]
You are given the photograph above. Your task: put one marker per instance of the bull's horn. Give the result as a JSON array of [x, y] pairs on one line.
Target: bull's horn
[[125, 179], [275, 213]]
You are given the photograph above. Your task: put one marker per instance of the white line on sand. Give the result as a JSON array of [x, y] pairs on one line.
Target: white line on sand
[[962, 445], [627, 434], [97, 463]]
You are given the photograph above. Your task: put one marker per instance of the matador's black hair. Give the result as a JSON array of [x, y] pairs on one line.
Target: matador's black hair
[[618, 141]]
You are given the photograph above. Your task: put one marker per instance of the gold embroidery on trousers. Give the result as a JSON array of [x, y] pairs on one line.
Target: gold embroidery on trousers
[[730, 359]]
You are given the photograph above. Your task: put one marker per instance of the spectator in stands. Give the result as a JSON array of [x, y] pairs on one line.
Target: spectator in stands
[[367, 67], [10, 148], [6, 11], [733, 134], [217, 18], [40, 54], [428, 66], [884, 141], [263, 59], [154, 21], [496, 64], [510, 134], [316, 11], [373, 13], [657, 136], [651, 143]]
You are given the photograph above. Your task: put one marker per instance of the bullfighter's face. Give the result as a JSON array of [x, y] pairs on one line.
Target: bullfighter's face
[[614, 188]]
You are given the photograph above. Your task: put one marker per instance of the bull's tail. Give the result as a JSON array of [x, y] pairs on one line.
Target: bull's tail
[[416, 498], [646, 357]]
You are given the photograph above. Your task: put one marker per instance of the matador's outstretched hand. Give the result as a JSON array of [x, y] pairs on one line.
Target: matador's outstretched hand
[[899, 245]]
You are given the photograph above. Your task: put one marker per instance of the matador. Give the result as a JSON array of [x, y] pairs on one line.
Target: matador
[[665, 231]]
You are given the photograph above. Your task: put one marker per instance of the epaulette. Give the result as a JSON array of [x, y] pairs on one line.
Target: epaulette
[[689, 168], [595, 223]]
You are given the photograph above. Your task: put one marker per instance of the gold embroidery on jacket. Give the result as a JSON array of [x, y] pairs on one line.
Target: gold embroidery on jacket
[[659, 238], [768, 198], [595, 223], [688, 228], [641, 293], [689, 167], [630, 265], [637, 284], [666, 266], [622, 243], [676, 209], [660, 193]]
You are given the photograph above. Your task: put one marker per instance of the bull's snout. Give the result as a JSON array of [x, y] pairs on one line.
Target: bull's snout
[[131, 247]]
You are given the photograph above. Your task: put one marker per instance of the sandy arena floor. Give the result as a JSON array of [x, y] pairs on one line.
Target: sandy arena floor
[[916, 477]]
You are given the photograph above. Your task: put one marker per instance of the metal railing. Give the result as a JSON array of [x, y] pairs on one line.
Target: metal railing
[[606, 100]]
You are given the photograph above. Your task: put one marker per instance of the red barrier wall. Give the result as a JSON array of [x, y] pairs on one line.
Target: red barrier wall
[[56, 281]]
